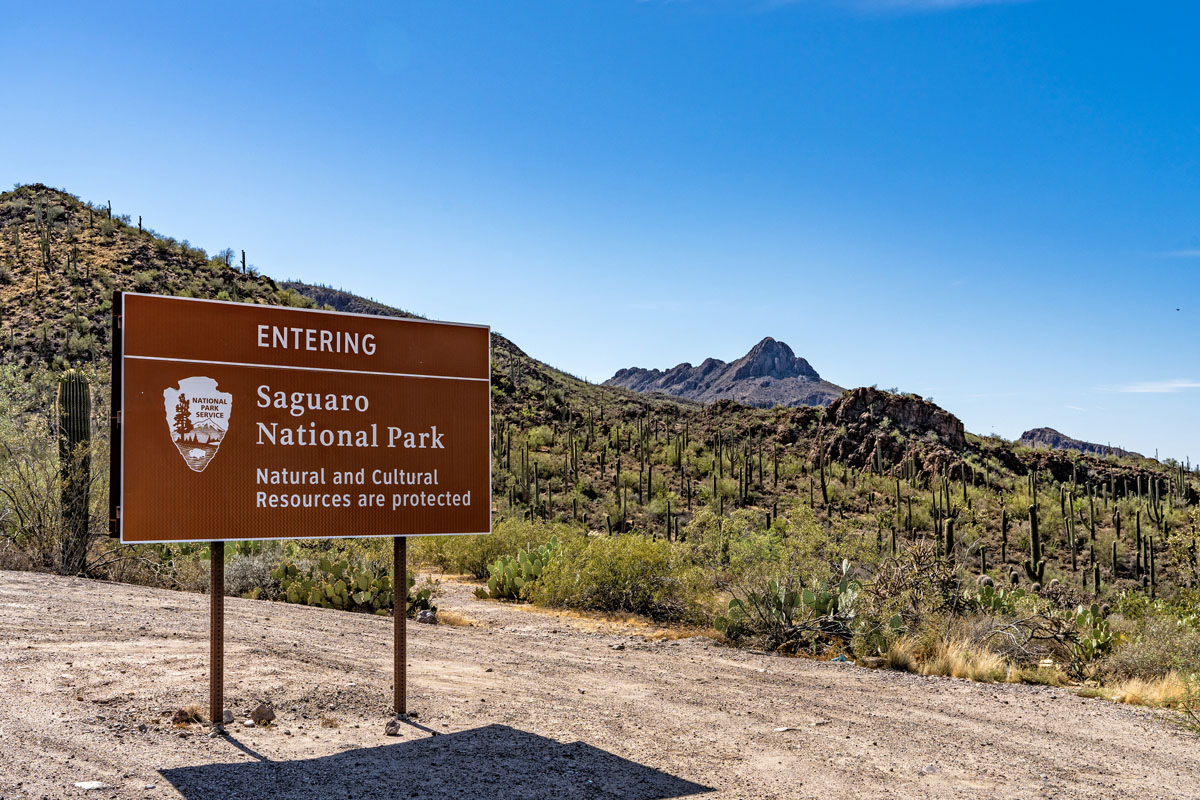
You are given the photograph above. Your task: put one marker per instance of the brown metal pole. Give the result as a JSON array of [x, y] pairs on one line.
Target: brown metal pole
[[114, 458], [216, 635], [400, 613]]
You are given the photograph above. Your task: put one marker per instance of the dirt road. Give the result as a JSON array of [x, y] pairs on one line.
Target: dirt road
[[520, 705]]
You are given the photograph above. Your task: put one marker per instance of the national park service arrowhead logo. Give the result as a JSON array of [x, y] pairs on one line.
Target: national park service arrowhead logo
[[198, 419]]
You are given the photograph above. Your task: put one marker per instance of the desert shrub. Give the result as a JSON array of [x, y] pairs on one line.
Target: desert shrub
[[30, 486], [1151, 648], [471, 555], [917, 584], [250, 574], [710, 539], [795, 546], [900, 654], [79, 345], [1170, 690], [12, 557], [538, 437], [621, 573], [145, 280], [31, 518]]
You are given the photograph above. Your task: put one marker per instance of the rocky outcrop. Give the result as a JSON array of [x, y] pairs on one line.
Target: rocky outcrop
[[769, 375], [864, 419], [1050, 439]]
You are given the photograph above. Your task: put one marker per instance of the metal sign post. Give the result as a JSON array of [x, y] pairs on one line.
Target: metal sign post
[[400, 639], [216, 635]]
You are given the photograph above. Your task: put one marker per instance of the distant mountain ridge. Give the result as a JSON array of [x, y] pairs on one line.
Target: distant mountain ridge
[[1051, 439], [769, 375], [341, 300]]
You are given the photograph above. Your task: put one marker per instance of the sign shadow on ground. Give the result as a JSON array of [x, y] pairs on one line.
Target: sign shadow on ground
[[492, 761]]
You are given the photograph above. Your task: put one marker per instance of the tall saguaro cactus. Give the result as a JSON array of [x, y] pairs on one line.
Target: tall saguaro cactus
[[75, 467], [1003, 536], [1035, 567]]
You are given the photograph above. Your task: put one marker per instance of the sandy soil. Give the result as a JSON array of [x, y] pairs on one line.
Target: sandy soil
[[521, 704]]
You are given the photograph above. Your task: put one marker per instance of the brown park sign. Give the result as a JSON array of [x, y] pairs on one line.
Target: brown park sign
[[238, 421]]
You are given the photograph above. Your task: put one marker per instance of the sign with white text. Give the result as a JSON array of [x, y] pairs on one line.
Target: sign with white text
[[238, 421]]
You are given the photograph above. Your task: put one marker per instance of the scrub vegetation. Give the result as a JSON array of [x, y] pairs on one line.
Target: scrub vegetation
[[875, 529]]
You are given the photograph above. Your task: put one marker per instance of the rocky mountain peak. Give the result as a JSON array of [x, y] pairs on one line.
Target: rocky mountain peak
[[772, 359], [769, 375], [1051, 439]]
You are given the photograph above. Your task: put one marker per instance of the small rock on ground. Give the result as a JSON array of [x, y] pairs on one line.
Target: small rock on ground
[[263, 714], [183, 717]]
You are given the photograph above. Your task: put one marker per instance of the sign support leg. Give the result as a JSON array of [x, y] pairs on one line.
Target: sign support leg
[[216, 635], [400, 614]]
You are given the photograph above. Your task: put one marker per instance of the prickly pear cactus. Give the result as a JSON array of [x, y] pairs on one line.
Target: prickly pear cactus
[[335, 584], [508, 577], [1095, 638]]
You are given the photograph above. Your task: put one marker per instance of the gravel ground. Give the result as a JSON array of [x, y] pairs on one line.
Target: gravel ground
[[519, 704]]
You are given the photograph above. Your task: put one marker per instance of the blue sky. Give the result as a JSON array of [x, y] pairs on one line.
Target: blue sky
[[991, 203]]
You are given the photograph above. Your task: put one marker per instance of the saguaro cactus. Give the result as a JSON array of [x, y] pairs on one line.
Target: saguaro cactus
[[1153, 569], [1003, 536], [75, 467], [1035, 567]]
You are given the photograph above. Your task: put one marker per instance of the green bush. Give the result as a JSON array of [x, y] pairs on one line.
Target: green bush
[[622, 573], [539, 437], [1151, 647], [145, 280], [473, 555]]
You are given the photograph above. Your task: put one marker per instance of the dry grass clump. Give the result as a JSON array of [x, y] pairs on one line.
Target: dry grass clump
[[330, 722], [901, 655], [1041, 675], [1167, 691], [960, 659], [454, 619]]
